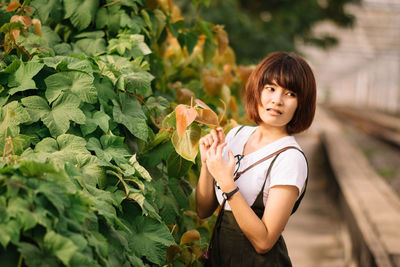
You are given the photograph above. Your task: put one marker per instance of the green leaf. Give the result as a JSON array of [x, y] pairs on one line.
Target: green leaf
[[130, 114], [105, 89], [191, 41], [36, 169], [109, 148], [78, 83], [92, 47], [60, 246], [36, 106], [169, 209], [92, 173], [47, 8], [209, 50], [110, 17], [35, 257], [65, 148], [205, 28], [22, 79], [19, 143], [177, 166], [55, 195], [155, 156], [140, 169], [81, 13], [11, 116], [151, 239], [136, 82], [187, 146], [181, 190], [58, 117], [98, 118]]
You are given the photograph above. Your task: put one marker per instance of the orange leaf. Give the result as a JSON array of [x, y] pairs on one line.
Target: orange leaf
[[184, 96], [13, 6], [201, 104], [244, 73], [207, 116], [24, 19], [184, 117], [37, 26], [27, 9], [212, 81]]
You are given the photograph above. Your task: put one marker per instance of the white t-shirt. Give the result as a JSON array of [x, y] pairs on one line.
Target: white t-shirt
[[290, 168]]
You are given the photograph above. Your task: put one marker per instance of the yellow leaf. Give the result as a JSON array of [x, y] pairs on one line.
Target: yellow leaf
[[190, 236], [184, 117], [187, 145]]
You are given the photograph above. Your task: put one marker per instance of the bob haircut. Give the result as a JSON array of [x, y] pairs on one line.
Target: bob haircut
[[291, 72]]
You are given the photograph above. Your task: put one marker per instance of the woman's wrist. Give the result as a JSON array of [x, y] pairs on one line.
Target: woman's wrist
[[228, 187]]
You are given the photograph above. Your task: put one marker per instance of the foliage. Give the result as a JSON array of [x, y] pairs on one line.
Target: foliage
[[99, 122], [257, 28]]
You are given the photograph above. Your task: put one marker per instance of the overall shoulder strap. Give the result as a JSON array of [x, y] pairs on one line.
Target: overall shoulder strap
[[240, 128], [259, 198], [238, 174]]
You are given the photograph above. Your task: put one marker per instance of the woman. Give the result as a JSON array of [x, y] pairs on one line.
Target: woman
[[262, 189]]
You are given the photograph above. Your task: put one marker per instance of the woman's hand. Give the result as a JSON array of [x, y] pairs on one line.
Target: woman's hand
[[215, 136], [221, 170]]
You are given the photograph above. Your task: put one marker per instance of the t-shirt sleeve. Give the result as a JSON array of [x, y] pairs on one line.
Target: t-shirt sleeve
[[290, 168]]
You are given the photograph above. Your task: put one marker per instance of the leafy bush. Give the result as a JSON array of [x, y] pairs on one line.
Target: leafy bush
[[97, 165]]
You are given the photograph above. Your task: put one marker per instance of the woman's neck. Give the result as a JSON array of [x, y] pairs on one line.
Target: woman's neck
[[265, 134]]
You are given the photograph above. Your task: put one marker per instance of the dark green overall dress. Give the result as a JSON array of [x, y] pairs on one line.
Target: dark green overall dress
[[231, 248]]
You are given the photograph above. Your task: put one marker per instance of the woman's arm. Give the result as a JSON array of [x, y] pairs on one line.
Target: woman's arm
[[262, 233], [206, 201]]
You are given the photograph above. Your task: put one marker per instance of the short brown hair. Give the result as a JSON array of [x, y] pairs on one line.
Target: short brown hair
[[289, 71]]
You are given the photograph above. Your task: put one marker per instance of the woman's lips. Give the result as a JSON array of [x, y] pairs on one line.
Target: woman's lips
[[274, 112]]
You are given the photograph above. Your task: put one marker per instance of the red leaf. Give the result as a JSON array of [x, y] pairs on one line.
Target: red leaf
[[184, 117]]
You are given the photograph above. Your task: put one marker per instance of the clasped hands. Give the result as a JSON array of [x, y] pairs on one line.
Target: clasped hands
[[211, 146]]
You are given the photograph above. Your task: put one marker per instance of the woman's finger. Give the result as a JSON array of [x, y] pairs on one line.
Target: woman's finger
[[213, 147], [219, 149], [214, 136], [221, 134]]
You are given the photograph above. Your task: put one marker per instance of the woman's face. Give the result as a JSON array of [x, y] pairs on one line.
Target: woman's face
[[277, 106]]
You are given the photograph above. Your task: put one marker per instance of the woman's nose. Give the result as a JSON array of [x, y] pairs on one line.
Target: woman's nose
[[277, 98]]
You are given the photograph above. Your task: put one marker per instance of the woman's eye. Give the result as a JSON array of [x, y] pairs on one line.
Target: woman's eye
[[270, 88], [292, 94]]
